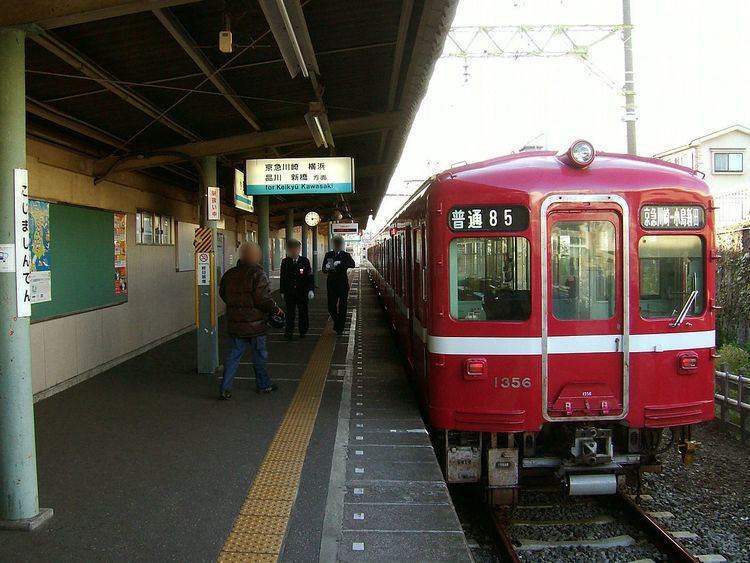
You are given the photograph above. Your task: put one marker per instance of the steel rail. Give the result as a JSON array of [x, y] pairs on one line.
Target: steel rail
[[501, 539], [660, 537]]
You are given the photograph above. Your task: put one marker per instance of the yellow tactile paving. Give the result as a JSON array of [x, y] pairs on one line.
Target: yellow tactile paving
[[258, 532]]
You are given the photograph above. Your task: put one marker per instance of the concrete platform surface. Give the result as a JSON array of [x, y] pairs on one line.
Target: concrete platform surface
[[387, 500]]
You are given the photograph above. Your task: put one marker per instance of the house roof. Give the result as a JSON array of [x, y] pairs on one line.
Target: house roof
[[700, 140]]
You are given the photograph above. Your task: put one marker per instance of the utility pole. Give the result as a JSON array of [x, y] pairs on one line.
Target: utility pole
[[629, 86]]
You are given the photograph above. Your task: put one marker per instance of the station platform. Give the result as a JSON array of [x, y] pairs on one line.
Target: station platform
[[144, 463]]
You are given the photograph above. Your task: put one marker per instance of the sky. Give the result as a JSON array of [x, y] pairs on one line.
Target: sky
[[692, 77]]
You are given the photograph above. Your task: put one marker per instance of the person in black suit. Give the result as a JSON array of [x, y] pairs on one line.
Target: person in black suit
[[297, 287], [335, 266]]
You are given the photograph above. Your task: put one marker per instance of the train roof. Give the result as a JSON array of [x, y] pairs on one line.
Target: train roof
[[543, 171]]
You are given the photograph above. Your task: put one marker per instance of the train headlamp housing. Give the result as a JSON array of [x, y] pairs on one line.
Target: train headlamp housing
[[580, 154]]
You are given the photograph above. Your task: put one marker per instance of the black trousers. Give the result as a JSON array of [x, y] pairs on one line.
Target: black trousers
[[337, 303], [293, 303]]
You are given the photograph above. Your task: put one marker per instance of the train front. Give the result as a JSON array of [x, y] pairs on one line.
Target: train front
[[572, 318]]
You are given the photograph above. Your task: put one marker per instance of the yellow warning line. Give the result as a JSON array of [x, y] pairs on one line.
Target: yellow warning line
[[258, 531]]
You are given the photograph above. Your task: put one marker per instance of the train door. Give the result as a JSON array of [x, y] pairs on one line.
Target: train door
[[585, 292]]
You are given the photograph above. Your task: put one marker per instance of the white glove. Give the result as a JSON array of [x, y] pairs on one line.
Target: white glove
[[336, 263], [310, 294]]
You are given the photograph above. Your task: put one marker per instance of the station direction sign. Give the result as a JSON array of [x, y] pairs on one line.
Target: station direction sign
[[241, 199], [299, 176], [347, 230]]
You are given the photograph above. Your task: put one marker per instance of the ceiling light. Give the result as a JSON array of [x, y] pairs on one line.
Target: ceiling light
[[289, 28]]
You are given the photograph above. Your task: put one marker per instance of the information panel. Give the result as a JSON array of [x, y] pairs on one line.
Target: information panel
[[495, 218], [241, 200], [325, 175], [673, 217]]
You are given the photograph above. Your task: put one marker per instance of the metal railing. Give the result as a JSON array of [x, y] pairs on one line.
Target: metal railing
[[733, 206], [732, 393]]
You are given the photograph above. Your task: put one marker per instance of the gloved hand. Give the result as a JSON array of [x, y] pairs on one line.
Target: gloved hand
[[311, 294], [336, 263]]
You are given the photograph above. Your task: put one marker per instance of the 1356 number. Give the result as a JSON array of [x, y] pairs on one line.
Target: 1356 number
[[515, 383]]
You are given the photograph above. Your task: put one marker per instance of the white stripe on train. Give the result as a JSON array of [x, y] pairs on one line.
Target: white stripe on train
[[532, 346]]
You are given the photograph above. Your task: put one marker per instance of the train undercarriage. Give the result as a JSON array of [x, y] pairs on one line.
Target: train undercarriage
[[580, 458]]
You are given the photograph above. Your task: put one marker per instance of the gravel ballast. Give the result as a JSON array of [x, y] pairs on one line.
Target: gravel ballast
[[710, 498]]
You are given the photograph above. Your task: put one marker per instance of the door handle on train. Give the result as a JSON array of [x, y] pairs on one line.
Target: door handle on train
[[617, 344]]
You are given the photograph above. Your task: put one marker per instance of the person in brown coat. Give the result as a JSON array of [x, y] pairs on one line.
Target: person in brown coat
[[247, 292]]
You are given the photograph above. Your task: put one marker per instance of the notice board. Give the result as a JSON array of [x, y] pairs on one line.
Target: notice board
[[83, 274]]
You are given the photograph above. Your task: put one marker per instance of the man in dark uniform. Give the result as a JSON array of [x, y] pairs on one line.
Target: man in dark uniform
[[335, 266], [297, 287]]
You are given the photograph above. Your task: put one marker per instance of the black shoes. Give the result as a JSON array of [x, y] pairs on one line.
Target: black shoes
[[270, 389], [225, 395]]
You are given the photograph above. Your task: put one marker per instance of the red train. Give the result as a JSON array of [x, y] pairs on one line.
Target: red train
[[557, 313]]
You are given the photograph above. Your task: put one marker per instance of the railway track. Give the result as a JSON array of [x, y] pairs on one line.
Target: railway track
[[588, 529]]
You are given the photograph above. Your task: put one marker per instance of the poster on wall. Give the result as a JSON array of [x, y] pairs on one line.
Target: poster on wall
[[121, 254], [40, 276]]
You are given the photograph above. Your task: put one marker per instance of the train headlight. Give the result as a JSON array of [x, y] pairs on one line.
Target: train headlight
[[580, 154]]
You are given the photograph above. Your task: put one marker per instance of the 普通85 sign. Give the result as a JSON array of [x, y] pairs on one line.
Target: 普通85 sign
[[468, 218]]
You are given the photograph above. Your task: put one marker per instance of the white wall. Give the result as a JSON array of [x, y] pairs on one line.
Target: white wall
[[725, 181], [160, 299]]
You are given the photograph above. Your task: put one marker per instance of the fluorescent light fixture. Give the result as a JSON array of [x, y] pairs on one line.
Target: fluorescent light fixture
[[292, 37], [289, 28], [317, 122]]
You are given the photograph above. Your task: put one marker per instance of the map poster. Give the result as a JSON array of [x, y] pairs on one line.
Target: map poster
[[40, 276], [121, 254]]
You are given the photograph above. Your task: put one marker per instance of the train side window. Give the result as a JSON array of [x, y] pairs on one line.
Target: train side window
[[583, 270], [490, 279], [671, 268]]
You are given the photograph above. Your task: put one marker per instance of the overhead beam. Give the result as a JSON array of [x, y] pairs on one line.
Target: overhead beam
[[54, 115], [183, 38], [398, 57], [50, 14], [246, 142], [81, 63]]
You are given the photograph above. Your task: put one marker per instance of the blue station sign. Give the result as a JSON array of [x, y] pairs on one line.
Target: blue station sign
[[293, 176]]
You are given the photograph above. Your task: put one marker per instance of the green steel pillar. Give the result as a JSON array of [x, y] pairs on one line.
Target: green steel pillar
[[19, 497], [315, 261], [261, 209], [276, 262], [289, 225], [208, 329], [305, 230]]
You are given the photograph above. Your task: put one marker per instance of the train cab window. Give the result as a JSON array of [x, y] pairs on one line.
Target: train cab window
[[671, 268], [490, 279], [583, 270]]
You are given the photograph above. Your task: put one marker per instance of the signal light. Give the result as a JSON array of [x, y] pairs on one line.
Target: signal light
[[687, 362], [580, 154], [475, 368]]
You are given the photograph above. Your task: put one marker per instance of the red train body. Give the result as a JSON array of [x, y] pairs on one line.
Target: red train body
[[564, 310]]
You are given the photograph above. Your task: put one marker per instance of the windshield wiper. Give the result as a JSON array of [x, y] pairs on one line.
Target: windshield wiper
[[688, 304]]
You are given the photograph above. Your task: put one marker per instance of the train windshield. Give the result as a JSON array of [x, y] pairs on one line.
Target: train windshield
[[583, 270], [490, 279], [671, 268]]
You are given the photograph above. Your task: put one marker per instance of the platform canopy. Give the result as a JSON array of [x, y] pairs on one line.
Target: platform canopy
[[143, 85]]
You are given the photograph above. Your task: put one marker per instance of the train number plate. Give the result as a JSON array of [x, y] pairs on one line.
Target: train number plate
[[494, 218]]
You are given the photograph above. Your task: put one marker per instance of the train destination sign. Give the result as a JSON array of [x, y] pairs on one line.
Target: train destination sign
[[324, 175], [488, 218], [673, 217]]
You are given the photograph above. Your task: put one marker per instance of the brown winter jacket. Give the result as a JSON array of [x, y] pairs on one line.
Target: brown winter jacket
[[246, 291]]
